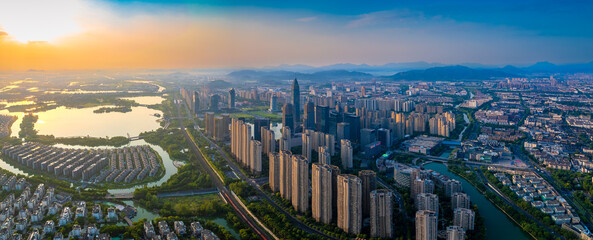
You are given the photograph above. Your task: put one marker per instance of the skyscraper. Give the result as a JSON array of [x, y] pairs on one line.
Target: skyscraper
[[273, 103], [286, 174], [300, 183], [296, 101], [309, 117], [246, 150], [349, 203], [369, 184], [381, 207], [232, 98], [335, 173], [343, 131], [288, 116], [460, 200], [268, 140], [455, 233], [258, 123], [426, 225], [274, 171], [306, 144], [464, 218], [427, 201], [286, 139], [322, 119], [346, 154], [214, 100], [196, 101], [321, 192], [209, 123]]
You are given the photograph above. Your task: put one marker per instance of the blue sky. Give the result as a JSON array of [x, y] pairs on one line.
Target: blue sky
[[234, 33]]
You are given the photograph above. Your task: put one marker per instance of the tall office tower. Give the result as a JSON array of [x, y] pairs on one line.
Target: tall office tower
[[286, 139], [384, 137], [367, 136], [209, 122], [286, 174], [268, 141], [221, 128], [335, 173], [322, 119], [300, 183], [346, 154], [349, 203], [354, 122], [232, 98], [381, 207], [288, 116], [464, 218], [459, 200], [324, 155], [214, 100], [452, 186], [274, 103], [422, 186], [455, 233], [306, 144], [196, 101], [257, 124], [309, 117], [369, 184], [343, 131], [255, 163], [321, 192], [427, 201], [426, 225], [274, 171], [295, 100]]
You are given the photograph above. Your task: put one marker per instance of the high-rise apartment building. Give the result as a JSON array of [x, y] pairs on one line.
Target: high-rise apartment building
[[346, 154], [300, 183], [427, 201], [381, 207], [426, 225], [460, 200], [369, 184], [464, 218], [349, 203], [321, 192], [285, 174], [274, 171]]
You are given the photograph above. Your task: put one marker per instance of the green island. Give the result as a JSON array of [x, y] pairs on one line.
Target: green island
[[122, 109]]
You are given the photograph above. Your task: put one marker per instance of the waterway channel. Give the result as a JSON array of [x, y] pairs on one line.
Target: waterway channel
[[498, 225]]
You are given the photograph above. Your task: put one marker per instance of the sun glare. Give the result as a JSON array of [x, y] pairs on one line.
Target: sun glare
[[39, 20]]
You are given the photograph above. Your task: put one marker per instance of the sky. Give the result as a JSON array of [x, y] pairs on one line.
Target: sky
[[176, 34]]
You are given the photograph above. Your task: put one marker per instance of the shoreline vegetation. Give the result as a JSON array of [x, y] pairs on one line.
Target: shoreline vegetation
[[122, 109]]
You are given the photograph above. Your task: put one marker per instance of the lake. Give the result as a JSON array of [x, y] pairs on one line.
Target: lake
[[498, 225]]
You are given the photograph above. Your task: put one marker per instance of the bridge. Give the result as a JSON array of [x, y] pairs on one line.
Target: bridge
[[134, 138], [122, 196]]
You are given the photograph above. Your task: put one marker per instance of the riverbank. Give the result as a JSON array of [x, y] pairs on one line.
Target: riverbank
[[495, 218]]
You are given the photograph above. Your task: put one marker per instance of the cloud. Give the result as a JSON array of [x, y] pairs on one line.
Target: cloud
[[382, 18], [3, 34], [307, 19]]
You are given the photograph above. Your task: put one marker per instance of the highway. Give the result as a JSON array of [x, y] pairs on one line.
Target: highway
[[230, 198], [296, 222]]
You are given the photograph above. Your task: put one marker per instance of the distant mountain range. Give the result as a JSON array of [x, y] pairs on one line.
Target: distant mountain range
[[404, 71]]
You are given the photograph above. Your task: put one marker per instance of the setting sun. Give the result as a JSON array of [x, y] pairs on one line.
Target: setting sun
[[34, 20]]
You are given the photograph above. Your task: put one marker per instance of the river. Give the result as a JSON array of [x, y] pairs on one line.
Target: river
[[498, 225]]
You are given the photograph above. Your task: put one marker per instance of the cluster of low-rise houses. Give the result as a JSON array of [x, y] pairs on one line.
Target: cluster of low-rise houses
[[92, 165], [162, 231], [541, 195]]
